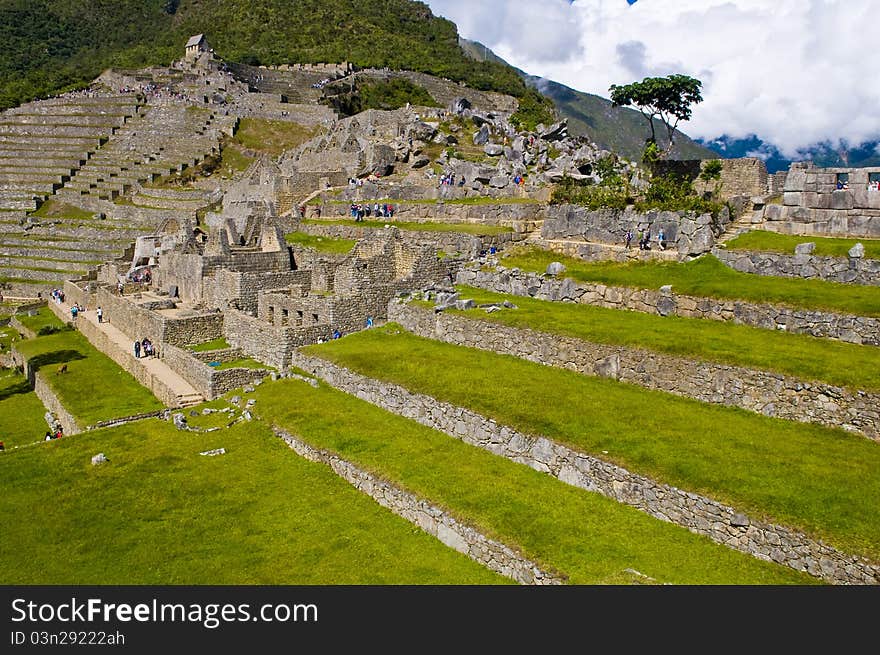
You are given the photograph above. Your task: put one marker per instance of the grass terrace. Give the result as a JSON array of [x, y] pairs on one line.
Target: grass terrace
[[803, 356], [820, 480], [112, 392], [197, 520], [328, 245], [462, 228], [244, 362], [270, 136], [588, 537], [708, 277], [219, 343], [763, 240], [43, 319], [56, 209], [21, 412]]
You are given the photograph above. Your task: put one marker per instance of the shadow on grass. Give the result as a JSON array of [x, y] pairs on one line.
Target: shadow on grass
[[55, 357], [21, 386]]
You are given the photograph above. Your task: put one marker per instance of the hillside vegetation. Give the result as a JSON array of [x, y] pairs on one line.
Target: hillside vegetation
[[50, 45]]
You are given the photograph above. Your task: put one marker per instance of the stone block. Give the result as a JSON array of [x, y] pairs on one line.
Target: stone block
[[793, 199], [795, 181], [842, 199]]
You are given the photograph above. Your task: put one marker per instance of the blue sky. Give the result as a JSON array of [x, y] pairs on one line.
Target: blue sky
[[794, 72]]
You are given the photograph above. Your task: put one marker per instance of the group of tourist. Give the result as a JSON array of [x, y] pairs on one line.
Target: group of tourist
[[645, 239], [144, 348], [874, 185], [359, 212], [75, 310], [58, 296], [57, 434], [448, 179], [321, 84]]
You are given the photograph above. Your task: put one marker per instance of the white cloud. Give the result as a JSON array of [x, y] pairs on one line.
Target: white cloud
[[794, 72]]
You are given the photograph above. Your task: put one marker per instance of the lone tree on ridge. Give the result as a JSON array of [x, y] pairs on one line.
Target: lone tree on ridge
[[669, 98]]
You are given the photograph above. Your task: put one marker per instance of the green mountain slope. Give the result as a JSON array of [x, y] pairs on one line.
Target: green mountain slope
[[49, 45], [619, 129]]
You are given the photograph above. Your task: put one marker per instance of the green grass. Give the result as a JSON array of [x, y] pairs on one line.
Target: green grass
[[785, 243], [44, 318], [463, 228], [820, 480], [271, 137], [160, 513], [800, 355], [233, 160], [329, 245], [219, 343], [21, 412], [589, 538], [56, 209], [708, 277], [112, 392]]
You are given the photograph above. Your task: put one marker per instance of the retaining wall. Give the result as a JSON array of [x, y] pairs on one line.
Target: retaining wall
[[855, 270], [429, 518], [698, 514], [771, 394], [853, 329]]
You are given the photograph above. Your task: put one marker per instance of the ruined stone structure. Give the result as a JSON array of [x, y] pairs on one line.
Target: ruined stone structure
[[828, 201]]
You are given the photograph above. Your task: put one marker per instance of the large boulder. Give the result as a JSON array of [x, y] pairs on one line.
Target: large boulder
[[379, 160], [481, 137], [556, 132], [857, 251], [493, 149], [804, 248]]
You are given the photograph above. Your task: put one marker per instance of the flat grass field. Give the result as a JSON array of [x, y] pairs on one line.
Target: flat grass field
[[329, 245], [823, 481], [43, 318], [587, 537], [708, 277], [462, 228], [800, 355], [94, 388], [765, 241], [160, 513], [21, 412]]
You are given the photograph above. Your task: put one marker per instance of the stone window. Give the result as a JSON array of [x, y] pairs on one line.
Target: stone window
[[843, 180], [270, 314], [315, 319], [285, 317], [299, 317], [874, 181]]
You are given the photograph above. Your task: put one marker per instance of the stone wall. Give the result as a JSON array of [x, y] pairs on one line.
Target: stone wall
[[267, 343], [854, 270], [207, 380], [78, 293], [429, 518], [746, 176], [853, 329], [698, 514], [53, 404], [192, 330], [768, 393], [464, 245], [684, 232]]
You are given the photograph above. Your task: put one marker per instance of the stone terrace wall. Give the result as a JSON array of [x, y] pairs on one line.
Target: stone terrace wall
[[207, 380], [192, 330], [770, 394], [429, 518], [124, 314], [746, 176], [76, 294], [267, 343], [53, 403], [449, 242], [520, 216], [698, 514], [854, 270], [685, 232], [853, 329]]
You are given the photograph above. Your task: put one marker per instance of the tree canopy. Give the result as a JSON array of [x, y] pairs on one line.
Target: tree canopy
[[668, 98]]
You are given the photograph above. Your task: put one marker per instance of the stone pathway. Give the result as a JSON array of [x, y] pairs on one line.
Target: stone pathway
[[183, 390]]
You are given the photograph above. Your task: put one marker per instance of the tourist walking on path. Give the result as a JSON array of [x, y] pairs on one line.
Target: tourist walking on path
[[100, 314], [137, 349]]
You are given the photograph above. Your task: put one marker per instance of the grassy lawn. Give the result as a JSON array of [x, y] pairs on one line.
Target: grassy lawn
[[329, 245], [111, 391], [463, 228], [271, 137], [233, 160], [823, 481], [7, 336], [21, 412], [56, 209], [160, 513], [588, 537], [708, 277], [785, 243], [43, 318], [800, 355], [219, 343]]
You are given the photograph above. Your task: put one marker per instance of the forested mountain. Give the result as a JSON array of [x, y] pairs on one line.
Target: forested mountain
[[48, 45]]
